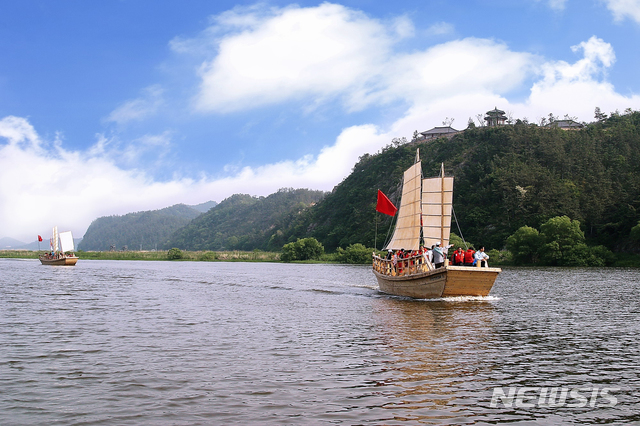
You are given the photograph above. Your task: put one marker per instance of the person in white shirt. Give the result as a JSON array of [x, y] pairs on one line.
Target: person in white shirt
[[481, 257]]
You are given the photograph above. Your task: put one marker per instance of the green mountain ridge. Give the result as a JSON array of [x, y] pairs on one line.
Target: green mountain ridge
[[505, 177], [244, 222], [141, 230]]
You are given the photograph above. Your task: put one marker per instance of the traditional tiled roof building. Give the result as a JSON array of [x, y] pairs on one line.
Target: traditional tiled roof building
[[439, 132], [566, 125]]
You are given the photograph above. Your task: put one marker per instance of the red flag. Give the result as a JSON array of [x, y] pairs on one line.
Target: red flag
[[385, 205], [39, 238]]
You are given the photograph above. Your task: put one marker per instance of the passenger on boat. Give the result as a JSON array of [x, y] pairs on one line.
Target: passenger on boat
[[429, 254], [481, 257], [458, 257], [440, 254], [469, 257], [401, 256]]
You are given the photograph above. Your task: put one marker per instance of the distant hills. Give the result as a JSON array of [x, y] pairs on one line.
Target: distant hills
[[145, 230], [240, 222], [7, 243], [243, 222], [12, 244]]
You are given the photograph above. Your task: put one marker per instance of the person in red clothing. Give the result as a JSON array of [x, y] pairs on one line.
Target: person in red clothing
[[468, 256], [458, 257]]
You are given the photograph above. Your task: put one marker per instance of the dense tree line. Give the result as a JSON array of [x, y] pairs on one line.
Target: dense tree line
[[560, 242], [506, 177]]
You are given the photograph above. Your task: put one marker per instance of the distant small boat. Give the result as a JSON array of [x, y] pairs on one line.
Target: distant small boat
[[61, 250], [425, 216]]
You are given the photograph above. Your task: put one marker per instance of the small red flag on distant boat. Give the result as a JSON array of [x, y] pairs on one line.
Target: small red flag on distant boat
[[39, 238], [385, 205]]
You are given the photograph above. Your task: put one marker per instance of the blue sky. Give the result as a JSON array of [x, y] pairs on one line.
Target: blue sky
[[114, 106]]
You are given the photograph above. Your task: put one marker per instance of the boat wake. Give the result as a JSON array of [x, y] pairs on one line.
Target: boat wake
[[458, 299]]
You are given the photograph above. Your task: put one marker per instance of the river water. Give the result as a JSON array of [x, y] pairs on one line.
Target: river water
[[194, 343]]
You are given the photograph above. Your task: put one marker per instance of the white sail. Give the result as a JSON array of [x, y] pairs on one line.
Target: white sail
[[437, 201], [66, 241], [407, 233], [55, 238]]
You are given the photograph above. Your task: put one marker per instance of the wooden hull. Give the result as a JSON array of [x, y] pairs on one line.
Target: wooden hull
[[442, 282], [63, 261]]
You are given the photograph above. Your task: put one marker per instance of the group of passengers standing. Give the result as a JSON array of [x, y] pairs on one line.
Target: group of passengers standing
[[470, 257], [436, 256]]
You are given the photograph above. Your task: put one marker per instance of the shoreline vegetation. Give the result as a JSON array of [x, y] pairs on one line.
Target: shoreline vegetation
[[202, 256], [498, 258]]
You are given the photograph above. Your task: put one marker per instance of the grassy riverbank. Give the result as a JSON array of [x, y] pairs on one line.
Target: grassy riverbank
[[203, 256], [623, 260]]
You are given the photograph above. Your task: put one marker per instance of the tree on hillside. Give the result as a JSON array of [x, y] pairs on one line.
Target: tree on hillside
[[302, 249], [560, 242], [524, 245], [564, 242]]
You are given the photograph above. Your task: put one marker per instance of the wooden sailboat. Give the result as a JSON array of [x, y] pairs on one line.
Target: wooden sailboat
[[61, 254], [425, 208]]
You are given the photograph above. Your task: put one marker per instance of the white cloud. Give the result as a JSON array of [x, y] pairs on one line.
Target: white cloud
[[72, 188], [622, 9], [330, 51], [576, 89], [140, 108], [67, 188], [17, 130], [465, 66], [293, 53], [557, 4], [440, 28], [559, 87]]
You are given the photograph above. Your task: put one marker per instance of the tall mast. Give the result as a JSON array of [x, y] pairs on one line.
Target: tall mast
[[442, 211]]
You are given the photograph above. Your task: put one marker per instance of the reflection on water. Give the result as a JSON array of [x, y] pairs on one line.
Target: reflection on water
[[117, 342], [439, 348]]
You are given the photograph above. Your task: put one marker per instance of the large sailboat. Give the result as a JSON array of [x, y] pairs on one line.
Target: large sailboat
[[425, 216], [62, 248]]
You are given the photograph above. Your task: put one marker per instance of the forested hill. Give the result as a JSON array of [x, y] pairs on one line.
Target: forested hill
[[505, 177], [146, 230], [243, 222]]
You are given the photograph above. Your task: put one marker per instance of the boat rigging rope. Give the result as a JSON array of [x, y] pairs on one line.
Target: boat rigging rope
[[459, 230], [386, 239]]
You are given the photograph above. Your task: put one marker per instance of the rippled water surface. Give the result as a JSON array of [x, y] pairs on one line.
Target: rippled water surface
[[193, 343]]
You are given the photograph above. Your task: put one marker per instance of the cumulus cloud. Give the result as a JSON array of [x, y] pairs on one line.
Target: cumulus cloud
[[330, 51], [622, 9], [465, 66], [316, 54], [577, 88], [68, 188], [291, 53]]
